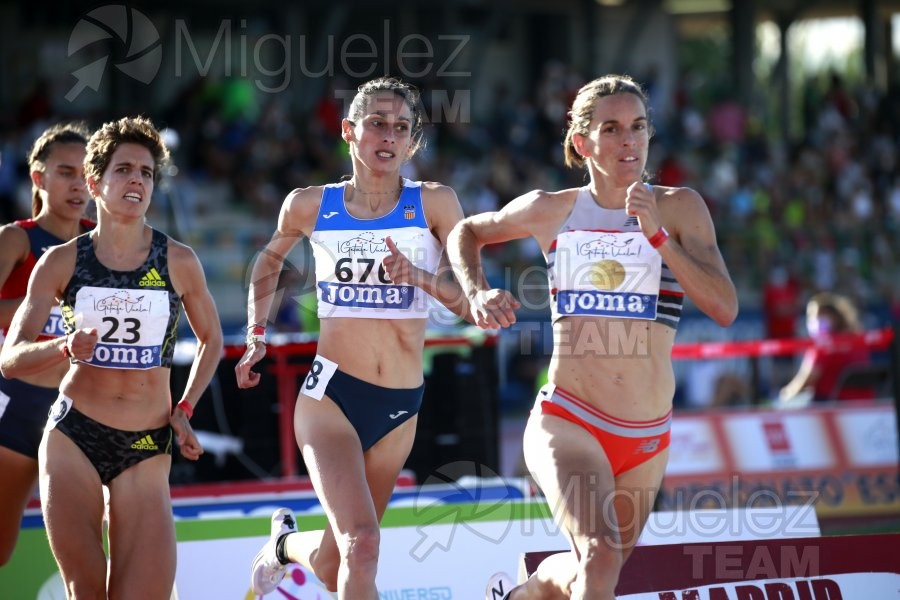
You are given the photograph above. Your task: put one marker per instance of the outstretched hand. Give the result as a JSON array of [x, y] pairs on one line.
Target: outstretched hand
[[398, 267], [493, 309]]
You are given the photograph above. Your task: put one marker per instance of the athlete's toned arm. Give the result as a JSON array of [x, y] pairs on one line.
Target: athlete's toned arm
[[442, 212], [15, 247], [694, 257], [21, 354], [529, 215], [200, 309], [295, 221]]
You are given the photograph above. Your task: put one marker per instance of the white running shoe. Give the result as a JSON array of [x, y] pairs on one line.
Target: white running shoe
[[266, 572], [499, 586]]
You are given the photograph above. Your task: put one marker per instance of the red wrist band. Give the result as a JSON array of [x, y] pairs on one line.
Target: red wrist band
[[659, 238], [256, 334], [187, 408], [65, 349]]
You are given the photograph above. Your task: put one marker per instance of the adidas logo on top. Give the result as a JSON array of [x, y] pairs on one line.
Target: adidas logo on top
[[152, 279], [145, 443]]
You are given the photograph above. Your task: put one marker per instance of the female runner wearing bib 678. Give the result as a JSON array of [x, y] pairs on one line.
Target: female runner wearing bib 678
[[377, 241], [121, 288]]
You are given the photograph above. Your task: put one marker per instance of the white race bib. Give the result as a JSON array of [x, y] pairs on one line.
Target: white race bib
[[57, 412], [131, 325], [612, 274], [320, 373]]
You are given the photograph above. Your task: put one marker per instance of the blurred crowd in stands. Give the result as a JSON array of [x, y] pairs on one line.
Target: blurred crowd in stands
[[820, 212]]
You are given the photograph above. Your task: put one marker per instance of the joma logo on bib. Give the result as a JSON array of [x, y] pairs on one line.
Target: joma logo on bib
[[119, 356], [635, 306], [367, 296]]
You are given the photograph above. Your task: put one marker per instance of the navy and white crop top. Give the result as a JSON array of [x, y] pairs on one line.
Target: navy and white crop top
[[600, 264], [135, 312], [350, 280]]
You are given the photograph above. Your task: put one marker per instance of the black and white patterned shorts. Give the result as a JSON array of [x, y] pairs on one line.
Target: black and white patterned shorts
[[110, 450]]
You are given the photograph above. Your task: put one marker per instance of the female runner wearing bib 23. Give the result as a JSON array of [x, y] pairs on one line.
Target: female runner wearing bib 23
[[621, 255], [377, 241], [121, 288]]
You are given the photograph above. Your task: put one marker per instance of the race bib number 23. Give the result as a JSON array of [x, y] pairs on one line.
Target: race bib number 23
[[131, 325]]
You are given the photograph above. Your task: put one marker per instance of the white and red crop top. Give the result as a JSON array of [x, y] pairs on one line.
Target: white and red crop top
[[601, 265]]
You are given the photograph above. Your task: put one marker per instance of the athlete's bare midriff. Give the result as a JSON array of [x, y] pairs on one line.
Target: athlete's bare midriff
[[385, 352], [621, 366], [127, 399]]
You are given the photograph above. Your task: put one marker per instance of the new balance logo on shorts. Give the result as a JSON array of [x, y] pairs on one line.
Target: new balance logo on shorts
[[145, 443], [648, 446], [152, 279]]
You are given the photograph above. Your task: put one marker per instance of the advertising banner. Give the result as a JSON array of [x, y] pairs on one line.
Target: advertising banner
[[843, 460], [439, 550], [852, 567]]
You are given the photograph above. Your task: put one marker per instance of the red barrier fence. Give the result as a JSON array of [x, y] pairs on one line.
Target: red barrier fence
[[290, 361], [876, 340]]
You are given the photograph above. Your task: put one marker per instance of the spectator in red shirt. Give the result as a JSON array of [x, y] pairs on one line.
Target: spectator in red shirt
[[828, 316], [781, 301]]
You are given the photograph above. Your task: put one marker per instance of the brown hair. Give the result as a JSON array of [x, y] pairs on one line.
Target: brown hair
[[61, 133], [840, 308], [127, 130], [586, 101], [407, 91]]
